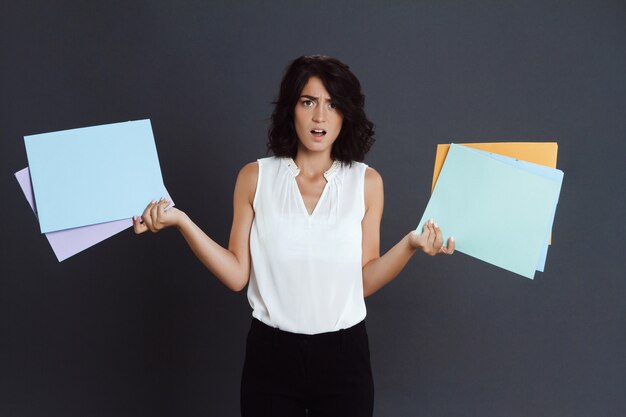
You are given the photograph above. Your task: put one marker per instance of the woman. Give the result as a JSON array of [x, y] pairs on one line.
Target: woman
[[305, 239]]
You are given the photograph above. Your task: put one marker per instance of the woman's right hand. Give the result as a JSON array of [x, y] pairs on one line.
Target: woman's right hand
[[156, 217]]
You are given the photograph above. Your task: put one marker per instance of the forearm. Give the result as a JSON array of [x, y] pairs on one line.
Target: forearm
[[222, 262], [380, 271]]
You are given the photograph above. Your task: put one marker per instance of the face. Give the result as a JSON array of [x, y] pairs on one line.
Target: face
[[316, 118]]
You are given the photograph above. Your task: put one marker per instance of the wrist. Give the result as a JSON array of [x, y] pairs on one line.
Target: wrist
[[182, 220], [413, 240]]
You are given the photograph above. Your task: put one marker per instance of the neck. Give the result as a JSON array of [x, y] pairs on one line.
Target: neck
[[313, 164]]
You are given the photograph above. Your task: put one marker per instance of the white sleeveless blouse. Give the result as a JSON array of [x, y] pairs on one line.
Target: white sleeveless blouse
[[306, 274]]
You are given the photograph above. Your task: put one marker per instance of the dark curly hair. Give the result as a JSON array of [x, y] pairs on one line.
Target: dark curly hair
[[357, 132]]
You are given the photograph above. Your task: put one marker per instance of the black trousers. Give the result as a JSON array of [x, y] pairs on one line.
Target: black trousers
[[295, 375]]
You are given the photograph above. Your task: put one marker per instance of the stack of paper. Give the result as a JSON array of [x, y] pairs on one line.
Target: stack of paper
[[499, 209], [86, 184]]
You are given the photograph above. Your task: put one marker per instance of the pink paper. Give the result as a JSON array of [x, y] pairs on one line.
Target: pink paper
[[66, 243]]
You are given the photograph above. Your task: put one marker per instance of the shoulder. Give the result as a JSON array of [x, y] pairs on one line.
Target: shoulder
[[374, 192], [373, 178], [358, 168], [249, 171], [247, 180]]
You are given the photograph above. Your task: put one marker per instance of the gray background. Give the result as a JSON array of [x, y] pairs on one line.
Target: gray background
[[136, 326]]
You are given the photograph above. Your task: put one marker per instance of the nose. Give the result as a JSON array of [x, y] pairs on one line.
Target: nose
[[319, 115]]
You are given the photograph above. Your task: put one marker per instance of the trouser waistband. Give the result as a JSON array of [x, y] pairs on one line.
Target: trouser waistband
[[260, 330]]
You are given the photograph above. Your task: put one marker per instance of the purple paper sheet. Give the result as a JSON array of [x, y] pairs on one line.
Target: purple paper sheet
[[66, 243]]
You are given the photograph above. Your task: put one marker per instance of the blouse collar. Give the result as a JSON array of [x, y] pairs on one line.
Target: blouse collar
[[328, 174]]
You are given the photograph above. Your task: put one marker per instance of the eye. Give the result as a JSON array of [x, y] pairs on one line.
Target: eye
[[307, 103], [332, 105]]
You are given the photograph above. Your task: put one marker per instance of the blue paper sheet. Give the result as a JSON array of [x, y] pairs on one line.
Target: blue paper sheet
[[94, 174], [498, 211], [542, 170]]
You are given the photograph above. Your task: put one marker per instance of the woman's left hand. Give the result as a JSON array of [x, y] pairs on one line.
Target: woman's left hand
[[430, 241]]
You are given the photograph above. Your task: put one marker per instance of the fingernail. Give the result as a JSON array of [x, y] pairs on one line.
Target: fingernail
[[452, 238], [134, 218], [436, 225]]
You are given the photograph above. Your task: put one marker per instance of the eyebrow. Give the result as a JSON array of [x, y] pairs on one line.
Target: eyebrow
[[314, 98]]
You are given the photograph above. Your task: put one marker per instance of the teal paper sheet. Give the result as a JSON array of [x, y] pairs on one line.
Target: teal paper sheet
[[551, 173], [498, 211], [94, 174]]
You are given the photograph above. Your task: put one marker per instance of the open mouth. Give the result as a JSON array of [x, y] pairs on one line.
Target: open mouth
[[318, 133]]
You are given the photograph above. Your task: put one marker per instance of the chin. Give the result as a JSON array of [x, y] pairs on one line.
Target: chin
[[317, 146]]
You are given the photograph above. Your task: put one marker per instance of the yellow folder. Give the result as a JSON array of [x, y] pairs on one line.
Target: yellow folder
[[542, 153]]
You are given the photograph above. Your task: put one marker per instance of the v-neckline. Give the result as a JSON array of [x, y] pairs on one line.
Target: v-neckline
[[303, 204], [291, 164]]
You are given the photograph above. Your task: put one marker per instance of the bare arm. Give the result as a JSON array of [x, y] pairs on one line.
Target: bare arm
[[379, 271], [231, 266]]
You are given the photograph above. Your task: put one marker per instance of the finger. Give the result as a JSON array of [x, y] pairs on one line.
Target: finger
[[161, 208], [451, 246], [147, 216], [448, 250], [154, 212], [433, 234], [425, 235], [138, 227], [438, 237]]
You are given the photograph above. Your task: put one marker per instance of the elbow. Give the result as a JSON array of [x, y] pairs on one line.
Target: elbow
[[367, 290], [367, 281], [238, 285]]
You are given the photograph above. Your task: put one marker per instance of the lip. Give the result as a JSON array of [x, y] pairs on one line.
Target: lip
[[318, 133]]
